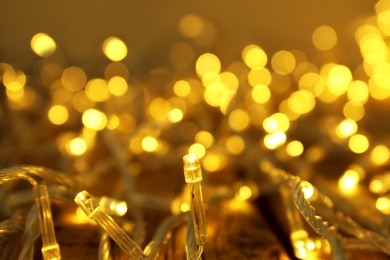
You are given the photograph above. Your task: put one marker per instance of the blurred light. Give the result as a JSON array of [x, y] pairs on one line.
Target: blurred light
[[261, 94], [117, 86], [77, 146], [272, 141], [185, 207], [244, 193], [116, 69], [380, 154], [235, 144], [81, 102], [358, 91], [205, 138], [175, 115], [43, 45], [301, 102], [308, 189], [181, 55], [73, 79], [380, 183], [283, 62], [213, 162], [312, 82], [159, 108], [339, 78], [294, 148], [346, 128], [276, 122], [259, 76], [191, 26], [113, 122], [383, 205], [207, 64], [197, 149], [97, 90], [114, 49], [149, 144], [349, 181], [58, 114], [324, 38], [254, 57], [182, 88], [94, 119], [354, 110], [239, 120], [358, 143]]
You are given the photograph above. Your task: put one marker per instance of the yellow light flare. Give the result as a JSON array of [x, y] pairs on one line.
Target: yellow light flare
[[380, 154], [383, 204], [338, 80], [346, 128], [185, 207], [239, 120], [308, 189], [149, 144], [207, 64], [380, 183], [259, 76], [379, 86], [58, 115], [94, 119], [283, 62], [15, 96], [97, 90], [358, 143], [354, 110], [348, 181], [213, 162], [276, 122], [73, 79], [191, 26], [324, 37], [114, 49], [135, 145], [301, 102], [229, 80], [284, 108], [117, 86], [77, 146], [159, 108], [14, 80], [235, 144], [175, 115], [182, 88], [205, 138], [244, 193], [294, 148], [113, 122], [81, 102], [358, 91], [197, 149], [43, 45], [272, 141], [254, 56], [181, 55], [261, 94], [383, 16], [312, 82]]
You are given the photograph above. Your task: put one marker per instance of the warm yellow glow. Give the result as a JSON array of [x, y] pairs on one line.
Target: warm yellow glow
[[346, 128], [77, 146], [185, 207], [43, 45], [58, 114], [181, 55], [239, 120], [301, 102], [276, 122], [312, 82], [97, 90], [259, 76], [380, 183], [324, 37], [113, 122], [354, 110], [207, 64], [261, 94], [159, 108], [272, 141], [294, 148], [213, 162], [298, 240], [339, 78], [182, 88], [175, 115], [197, 149], [117, 86], [81, 102], [380, 154], [244, 193], [149, 144], [383, 205], [349, 181], [308, 189], [114, 49], [73, 79], [283, 62], [235, 144], [254, 56], [191, 26], [358, 91], [358, 143], [205, 138], [94, 119]]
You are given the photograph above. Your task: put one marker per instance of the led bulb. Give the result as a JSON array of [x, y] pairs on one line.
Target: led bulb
[[192, 171]]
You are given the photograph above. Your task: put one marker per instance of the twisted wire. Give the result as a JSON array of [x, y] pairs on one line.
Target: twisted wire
[[30, 235]]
